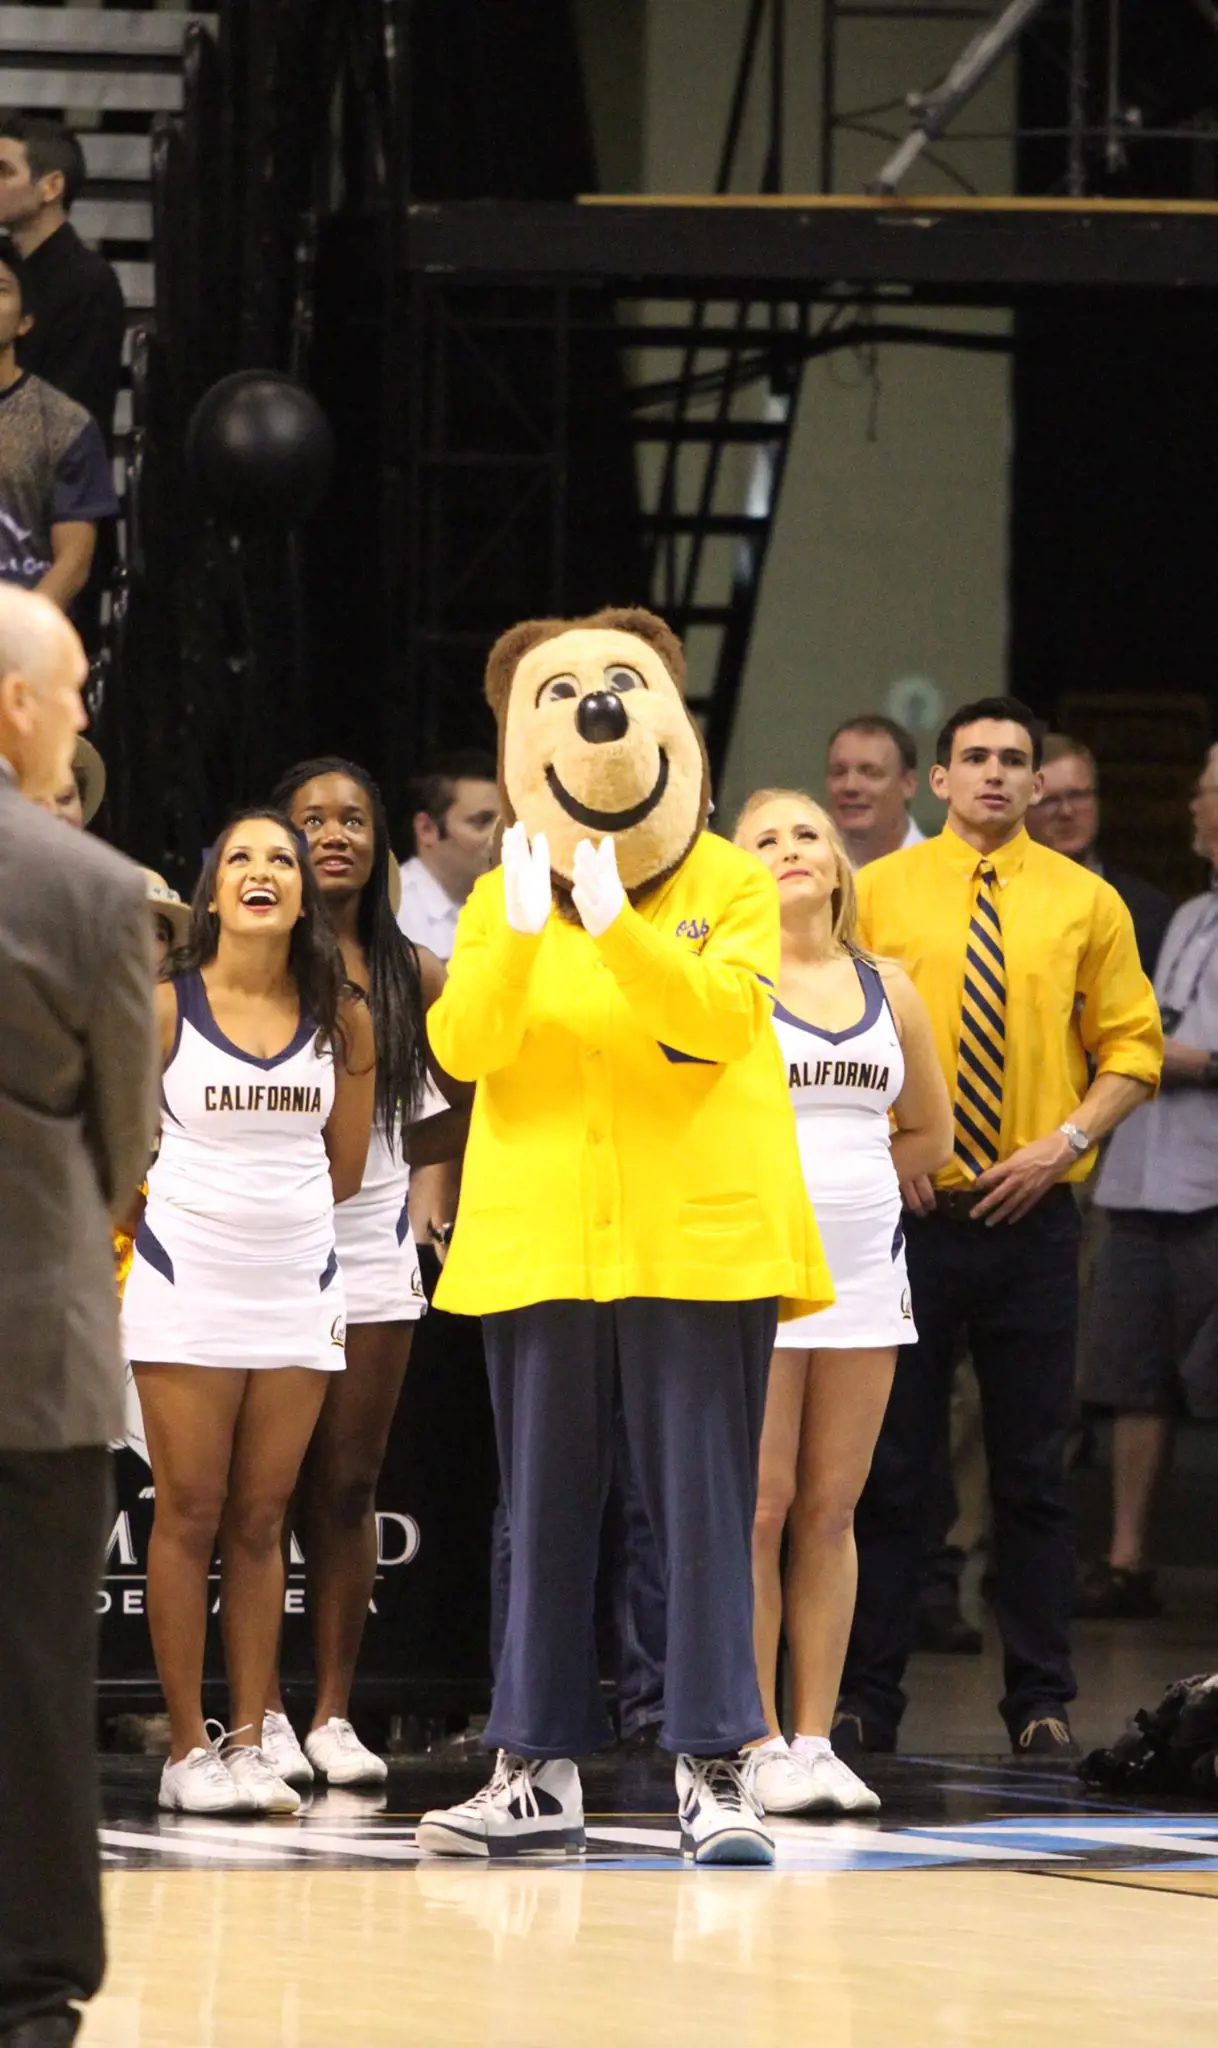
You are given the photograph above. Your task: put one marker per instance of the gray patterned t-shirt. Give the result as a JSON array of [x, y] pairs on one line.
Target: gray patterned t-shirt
[[53, 469]]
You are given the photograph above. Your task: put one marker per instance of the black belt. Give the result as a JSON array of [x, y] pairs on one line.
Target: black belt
[[956, 1205]]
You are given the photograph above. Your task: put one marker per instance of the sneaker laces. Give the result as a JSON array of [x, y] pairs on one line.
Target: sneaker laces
[[222, 1738], [344, 1735], [251, 1756], [259, 1766], [1058, 1729], [726, 1781], [510, 1779], [209, 1756]]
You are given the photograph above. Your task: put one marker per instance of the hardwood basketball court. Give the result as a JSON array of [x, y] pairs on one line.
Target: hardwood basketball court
[[992, 1903]]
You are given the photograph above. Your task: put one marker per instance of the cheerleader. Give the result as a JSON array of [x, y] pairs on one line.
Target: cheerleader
[[871, 1110], [233, 1316], [338, 810]]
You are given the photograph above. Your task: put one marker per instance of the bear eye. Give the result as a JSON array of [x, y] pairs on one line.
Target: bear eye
[[620, 679], [556, 688]]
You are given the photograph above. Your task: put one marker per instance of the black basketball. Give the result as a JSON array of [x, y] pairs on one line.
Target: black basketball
[[260, 450]]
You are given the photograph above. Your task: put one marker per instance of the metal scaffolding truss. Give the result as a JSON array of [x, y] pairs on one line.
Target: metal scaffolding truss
[[885, 120], [1103, 89]]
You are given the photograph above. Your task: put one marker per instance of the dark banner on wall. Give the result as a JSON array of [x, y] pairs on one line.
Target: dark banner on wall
[[425, 1644]]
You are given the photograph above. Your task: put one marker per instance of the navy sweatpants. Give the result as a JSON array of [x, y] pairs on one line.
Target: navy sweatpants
[[691, 1378], [630, 1595]]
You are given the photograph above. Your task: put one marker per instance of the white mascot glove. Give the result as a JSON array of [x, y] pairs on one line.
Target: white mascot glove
[[598, 894], [526, 879]]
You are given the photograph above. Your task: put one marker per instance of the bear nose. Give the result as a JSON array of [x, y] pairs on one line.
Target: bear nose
[[602, 716]]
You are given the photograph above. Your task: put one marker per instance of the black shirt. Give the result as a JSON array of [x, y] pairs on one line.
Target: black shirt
[[1150, 909], [76, 342]]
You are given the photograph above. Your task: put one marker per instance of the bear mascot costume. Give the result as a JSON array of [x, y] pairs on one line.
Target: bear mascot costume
[[633, 1218]]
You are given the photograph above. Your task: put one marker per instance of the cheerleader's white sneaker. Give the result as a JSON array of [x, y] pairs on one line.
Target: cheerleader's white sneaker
[[528, 1807], [200, 1782], [790, 1781], [780, 1781], [838, 1788], [287, 1758], [720, 1814], [257, 1777], [336, 1751]]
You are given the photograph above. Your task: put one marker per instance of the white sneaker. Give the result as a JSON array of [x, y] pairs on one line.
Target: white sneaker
[[786, 1782], [280, 1747], [201, 1782], [837, 1789], [257, 1777], [719, 1812], [336, 1751], [780, 1781], [528, 1806]]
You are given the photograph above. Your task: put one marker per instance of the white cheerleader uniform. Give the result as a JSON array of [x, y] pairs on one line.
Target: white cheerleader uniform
[[235, 1261], [842, 1085], [376, 1249]]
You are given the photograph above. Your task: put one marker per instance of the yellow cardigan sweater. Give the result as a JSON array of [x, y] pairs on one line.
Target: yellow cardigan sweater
[[632, 1132]]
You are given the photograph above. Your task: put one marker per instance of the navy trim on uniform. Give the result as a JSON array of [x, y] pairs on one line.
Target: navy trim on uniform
[[179, 997], [195, 1007], [176, 985], [153, 1251], [683, 1059], [403, 1222], [328, 1272], [874, 1003]]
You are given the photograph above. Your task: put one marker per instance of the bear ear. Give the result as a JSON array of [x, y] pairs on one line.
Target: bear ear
[[645, 625], [509, 651]]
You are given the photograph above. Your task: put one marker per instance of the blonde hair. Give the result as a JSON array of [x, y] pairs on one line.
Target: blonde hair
[[844, 902], [1060, 747]]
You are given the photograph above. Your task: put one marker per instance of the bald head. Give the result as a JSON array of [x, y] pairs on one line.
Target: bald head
[[42, 672], [34, 635]]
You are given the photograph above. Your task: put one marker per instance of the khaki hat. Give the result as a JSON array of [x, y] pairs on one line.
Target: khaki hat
[[89, 771], [165, 902]]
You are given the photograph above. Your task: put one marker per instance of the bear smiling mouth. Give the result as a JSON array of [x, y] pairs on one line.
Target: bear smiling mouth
[[609, 821]]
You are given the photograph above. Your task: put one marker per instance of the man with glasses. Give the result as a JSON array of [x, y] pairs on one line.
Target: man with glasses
[[1067, 818], [1150, 1336]]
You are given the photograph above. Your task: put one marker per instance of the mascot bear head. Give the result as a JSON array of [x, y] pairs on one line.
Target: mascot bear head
[[595, 739]]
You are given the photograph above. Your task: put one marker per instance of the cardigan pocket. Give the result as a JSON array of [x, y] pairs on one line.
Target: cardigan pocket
[[717, 1215]]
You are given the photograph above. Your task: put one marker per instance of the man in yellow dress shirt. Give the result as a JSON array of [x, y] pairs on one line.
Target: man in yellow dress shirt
[[1049, 1036], [632, 1217]]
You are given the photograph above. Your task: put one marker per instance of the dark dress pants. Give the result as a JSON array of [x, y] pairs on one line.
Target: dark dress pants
[[54, 1513], [1014, 1289], [690, 1378]]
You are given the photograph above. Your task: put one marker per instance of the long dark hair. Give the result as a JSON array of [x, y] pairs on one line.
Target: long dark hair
[[314, 958], [395, 987]]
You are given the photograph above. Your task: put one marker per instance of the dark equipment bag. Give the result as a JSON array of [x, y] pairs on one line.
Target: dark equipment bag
[[1173, 1748]]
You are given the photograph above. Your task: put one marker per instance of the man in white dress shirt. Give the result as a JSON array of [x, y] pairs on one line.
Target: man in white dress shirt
[[454, 809], [871, 776]]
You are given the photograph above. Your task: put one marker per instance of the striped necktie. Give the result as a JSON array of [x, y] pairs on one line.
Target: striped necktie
[[978, 1102]]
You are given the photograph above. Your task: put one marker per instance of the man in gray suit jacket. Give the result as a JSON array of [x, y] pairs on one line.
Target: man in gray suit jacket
[[78, 1079]]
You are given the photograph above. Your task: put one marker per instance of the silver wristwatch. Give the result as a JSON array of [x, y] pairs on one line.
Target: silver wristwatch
[[1077, 1140]]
